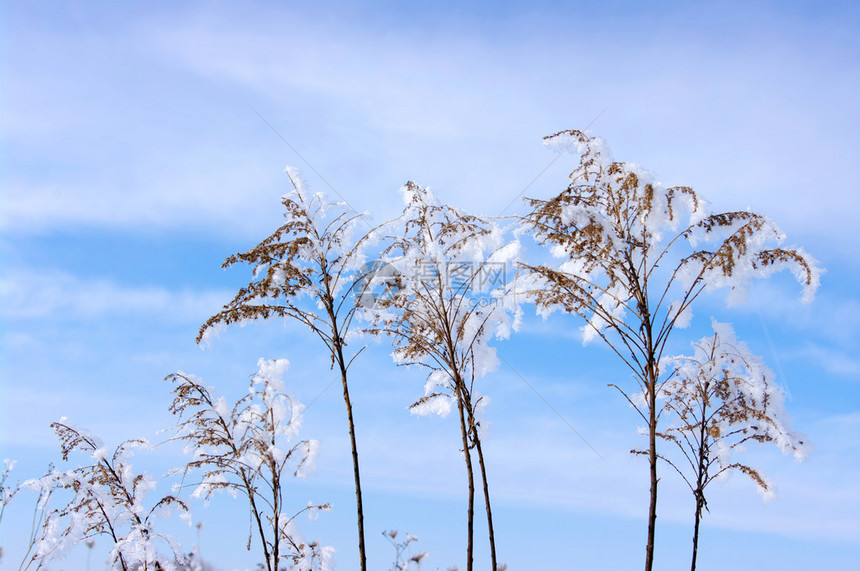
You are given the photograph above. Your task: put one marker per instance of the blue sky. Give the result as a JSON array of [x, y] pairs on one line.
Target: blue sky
[[134, 161]]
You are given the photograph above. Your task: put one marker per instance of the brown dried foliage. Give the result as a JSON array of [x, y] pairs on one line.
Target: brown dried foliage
[[223, 445], [107, 513], [607, 220], [713, 412], [429, 324], [427, 319], [706, 403], [299, 258], [611, 241], [307, 257]]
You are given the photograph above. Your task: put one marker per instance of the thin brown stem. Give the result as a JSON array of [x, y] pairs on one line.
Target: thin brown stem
[[470, 513], [477, 440]]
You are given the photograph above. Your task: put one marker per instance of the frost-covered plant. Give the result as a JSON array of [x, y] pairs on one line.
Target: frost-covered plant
[[107, 500], [41, 512], [248, 449], [402, 562], [7, 492], [308, 270], [193, 562], [720, 398], [634, 256], [441, 314]]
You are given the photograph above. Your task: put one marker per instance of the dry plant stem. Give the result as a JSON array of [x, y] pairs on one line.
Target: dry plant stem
[[433, 322], [721, 398], [700, 482], [37, 528], [290, 272], [276, 487], [470, 476], [608, 226], [259, 521], [246, 483], [469, 434], [464, 400], [112, 534], [107, 496], [640, 295], [464, 404], [357, 476], [247, 450], [107, 519], [337, 346], [701, 476], [652, 471], [477, 441], [460, 391]]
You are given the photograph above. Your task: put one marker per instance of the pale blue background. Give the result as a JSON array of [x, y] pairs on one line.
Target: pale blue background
[[134, 161]]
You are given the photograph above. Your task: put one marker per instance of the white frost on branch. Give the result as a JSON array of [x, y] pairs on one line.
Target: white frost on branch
[[106, 498], [247, 450], [620, 236], [727, 391]]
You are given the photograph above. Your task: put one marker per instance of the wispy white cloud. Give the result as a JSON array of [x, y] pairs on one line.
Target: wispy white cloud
[[116, 415], [460, 111], [29, 294], [239, 194], [147, 125], [829, 359], [748, 116], [833, 316]]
